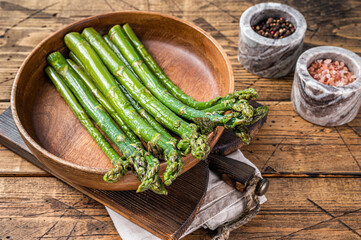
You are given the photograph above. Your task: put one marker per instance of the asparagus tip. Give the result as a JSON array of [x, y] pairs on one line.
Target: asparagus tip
[[174, 167], [145, 185], [243, 134], [184, 146], [205, 124], [114, 174], [247, 94], [243, 107], [200, 147], [158, 186], [259, 113], [155, 150]]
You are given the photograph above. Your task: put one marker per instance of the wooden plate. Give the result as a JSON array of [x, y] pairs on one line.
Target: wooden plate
[[189, 56]]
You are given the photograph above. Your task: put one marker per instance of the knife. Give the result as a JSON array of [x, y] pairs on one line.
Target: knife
[[235, 173]]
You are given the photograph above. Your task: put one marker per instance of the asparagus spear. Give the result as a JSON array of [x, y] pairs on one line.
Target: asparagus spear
[[134, 103], [134, 154], [103, 101], [104, 80], [231, 104], [170, 86], [139, 109], [241, 106], [158, 188], [190, 137], [119, 54], [208, 121], [148, 117], [242, 131], [120, 162]]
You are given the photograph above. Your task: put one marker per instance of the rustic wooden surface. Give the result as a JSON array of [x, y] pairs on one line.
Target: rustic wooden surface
[[314, 171]]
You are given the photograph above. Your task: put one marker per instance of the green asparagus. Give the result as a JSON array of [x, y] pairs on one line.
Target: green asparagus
[[190, 138], [171, 87], [242, 131], [139, 109], [103, 101], [158, 188], [241, 106], [208, 121], [134, 154], [134, 103], [119, 54], [79, 112], [104, 80]]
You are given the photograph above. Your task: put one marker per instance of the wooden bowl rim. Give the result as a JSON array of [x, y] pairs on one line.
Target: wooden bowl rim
[[88, 169]]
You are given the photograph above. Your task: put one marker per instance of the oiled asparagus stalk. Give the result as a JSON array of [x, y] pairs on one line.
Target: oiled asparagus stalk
[[134, 154], [241, 106], [103, 101], [171, 87], [149, 117], [79, 68], [119, 54], [116, 160], [208, 121], [134, 103], [139, 109], [197, 143], [104, 80]]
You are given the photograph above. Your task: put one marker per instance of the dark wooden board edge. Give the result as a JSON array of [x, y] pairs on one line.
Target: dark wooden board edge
[[118, 201], [10, 138]]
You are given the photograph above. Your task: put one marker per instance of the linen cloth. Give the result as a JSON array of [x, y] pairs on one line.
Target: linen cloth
[[222, 204]]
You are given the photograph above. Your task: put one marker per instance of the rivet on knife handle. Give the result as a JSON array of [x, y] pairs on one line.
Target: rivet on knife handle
[[262, 187], [233, 172]]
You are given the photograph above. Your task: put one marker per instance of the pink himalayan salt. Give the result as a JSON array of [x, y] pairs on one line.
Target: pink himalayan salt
[[331, 73]]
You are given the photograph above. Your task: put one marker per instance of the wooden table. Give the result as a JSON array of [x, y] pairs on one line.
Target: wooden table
[[314, 171]]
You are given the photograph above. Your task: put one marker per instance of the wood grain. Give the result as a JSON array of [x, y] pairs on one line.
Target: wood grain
[[47, 208], [288, 144], [305, 151]]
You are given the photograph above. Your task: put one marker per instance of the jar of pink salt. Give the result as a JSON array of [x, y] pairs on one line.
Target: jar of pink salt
[[326, 88]]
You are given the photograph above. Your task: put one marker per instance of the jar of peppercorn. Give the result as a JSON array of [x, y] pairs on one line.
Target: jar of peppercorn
[[271, 39]]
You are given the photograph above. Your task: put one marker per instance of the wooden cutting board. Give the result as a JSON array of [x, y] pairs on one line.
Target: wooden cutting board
[[164, 216]]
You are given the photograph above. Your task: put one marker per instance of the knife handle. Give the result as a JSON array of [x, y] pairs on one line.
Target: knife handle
[[236, 174]]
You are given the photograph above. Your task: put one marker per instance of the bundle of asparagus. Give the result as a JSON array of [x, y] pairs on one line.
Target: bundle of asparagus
[[114, 80]]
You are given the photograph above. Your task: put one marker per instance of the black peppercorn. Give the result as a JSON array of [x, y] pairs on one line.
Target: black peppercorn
[[274, 28]]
